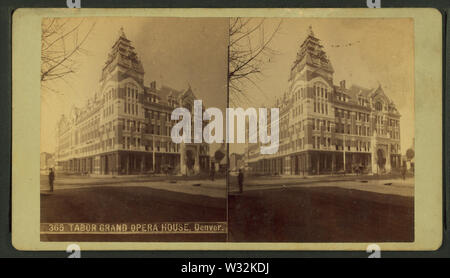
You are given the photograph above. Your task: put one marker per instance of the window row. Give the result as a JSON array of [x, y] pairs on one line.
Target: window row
[[319, 124], [321, 108], [131, 108], [132, 92], [320, 91], [298, 110], [109, 110], [156, 115]]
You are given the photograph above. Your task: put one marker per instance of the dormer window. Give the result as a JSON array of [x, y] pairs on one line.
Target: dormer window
[[378, 106]]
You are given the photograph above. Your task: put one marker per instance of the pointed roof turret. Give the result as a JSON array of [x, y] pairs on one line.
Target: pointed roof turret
[[122, 33], [123, 54], [310, 31], [311, 52]]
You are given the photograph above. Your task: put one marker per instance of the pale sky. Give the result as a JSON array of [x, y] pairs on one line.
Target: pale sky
[[174, 51], [381, 52], [181, 51]]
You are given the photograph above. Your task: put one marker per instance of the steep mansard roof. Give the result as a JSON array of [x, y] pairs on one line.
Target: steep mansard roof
[[164, 93], [311, 52]]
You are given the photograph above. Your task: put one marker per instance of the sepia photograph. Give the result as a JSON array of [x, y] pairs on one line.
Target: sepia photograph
[[109, 168], [226, 129], [344, 167]]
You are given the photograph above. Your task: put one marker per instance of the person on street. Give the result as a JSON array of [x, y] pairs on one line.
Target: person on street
[[404, 172], [241, 181], [51, 179]]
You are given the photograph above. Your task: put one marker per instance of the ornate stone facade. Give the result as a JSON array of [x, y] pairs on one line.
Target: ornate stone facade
[[327, 128], [125, 127]]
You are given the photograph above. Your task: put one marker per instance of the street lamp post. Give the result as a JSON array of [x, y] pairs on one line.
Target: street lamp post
[[344, 151]]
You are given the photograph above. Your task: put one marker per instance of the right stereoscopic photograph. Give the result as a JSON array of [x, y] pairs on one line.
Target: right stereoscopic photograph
[[328, 107]]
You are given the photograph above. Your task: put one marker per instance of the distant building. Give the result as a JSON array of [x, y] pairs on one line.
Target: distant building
[[236, 161], [125, 128], [408, 158], [47, 161], [327, 128]]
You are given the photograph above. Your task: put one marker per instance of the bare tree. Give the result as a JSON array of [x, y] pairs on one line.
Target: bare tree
[[249, 49], [61, 43]]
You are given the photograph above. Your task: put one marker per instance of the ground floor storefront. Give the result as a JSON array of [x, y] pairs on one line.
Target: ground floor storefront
[[128, 163], [323, 163]]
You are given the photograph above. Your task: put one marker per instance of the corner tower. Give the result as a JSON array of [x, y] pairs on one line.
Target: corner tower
[[312, 112], [122, 62], [311, 60]]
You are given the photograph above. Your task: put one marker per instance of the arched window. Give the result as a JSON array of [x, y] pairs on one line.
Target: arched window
[[378, 106]]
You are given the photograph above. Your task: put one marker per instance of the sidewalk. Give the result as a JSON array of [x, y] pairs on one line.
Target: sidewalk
[[384, 186], [205, 187], [217, 188], [296, 179]]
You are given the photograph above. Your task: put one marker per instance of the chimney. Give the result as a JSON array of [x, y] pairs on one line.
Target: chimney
[[342, 84]]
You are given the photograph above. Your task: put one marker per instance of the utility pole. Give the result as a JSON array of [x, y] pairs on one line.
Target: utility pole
[[227, 174], [344, 152]]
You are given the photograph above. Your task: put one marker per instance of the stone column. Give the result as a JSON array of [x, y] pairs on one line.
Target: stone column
[[318, 157], [333, 163], [197, 160], [373, 160], [118, 168], [183, 168], [128, 164], [143, 163], [102, 165], [153, 155], [308, 163], [293, 161], [388, 158]]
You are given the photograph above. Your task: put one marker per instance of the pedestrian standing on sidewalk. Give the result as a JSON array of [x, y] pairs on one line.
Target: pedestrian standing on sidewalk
[[241, 181], [404, 172], [51, 178]]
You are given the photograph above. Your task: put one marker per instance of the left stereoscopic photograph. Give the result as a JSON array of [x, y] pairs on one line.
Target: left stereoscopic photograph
[[109, 170]]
